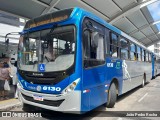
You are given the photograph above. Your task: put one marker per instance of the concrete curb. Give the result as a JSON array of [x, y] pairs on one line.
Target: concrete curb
[[10, 106]]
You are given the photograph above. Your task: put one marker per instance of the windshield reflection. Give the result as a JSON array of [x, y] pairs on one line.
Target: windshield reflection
[[56, 50]]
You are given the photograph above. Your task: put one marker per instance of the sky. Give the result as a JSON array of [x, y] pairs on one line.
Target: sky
[[155, 12]]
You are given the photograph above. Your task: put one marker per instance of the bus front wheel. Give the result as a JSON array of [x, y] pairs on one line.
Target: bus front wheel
[[112, 96]]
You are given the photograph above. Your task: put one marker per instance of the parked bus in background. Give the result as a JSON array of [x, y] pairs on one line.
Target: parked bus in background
[[71, 60]]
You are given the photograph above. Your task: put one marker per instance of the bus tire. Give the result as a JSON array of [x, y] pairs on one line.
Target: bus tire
[[112, 96]]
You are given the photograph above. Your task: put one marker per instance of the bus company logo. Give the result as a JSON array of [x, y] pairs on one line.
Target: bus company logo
[[118, 65], [31, 87], [6, 114], [39, 88], [126, 74], [109, 64], [37, 74]]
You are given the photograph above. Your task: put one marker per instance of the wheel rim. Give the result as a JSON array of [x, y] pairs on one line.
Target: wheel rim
[[143, 82]]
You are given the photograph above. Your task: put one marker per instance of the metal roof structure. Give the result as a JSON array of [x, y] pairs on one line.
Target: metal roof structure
[[130, 16]]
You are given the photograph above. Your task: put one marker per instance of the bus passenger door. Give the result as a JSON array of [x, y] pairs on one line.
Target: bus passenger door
[[93, 69]]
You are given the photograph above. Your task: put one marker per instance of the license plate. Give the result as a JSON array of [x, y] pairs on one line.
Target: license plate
[[37, 97]]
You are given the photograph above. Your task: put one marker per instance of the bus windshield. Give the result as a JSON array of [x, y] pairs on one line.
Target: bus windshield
[[53, 47]]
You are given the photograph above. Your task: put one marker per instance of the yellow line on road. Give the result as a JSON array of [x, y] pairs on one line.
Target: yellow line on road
[[8, 101]]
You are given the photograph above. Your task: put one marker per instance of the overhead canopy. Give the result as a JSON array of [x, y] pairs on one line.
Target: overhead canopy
[[131, 16]]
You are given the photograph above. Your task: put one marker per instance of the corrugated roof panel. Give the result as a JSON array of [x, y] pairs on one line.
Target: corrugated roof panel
[[147, 14], [124, 25], [124, 3], [25, 8], [107, 7], [52, 11], [138, 35], [73, 3], [137, 19], [148, 31], [146, 41], [46, 1], [155, 28], [153, 38], [158, 35]]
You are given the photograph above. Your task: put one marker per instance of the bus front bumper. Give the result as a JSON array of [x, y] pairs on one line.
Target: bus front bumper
[[70, 102]]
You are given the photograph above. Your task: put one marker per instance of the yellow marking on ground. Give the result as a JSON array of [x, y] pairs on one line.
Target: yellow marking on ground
[[8, 101]]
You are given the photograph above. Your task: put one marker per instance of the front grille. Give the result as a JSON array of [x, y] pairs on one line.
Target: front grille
[[56, 103], [48, 78]]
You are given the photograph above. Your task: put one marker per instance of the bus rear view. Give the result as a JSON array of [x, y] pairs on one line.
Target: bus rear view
[[47, 59]]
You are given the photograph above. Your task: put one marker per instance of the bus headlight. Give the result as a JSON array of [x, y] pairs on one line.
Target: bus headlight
[[71, 86]]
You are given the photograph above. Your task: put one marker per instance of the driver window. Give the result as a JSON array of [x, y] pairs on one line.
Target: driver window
[[57, 45]]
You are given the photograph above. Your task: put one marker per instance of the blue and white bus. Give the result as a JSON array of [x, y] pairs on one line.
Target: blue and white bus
[[155, 65], [71, 60]]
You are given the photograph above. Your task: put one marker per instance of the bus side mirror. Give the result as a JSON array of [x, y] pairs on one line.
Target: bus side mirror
[[7, 41]]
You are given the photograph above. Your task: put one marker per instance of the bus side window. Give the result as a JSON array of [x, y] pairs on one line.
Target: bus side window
[[154, 58], [149, 57], [97, 45], [133, 52], [138, 53], [124, 48], [146, 56], [107, 34], [114, 45], [143, 55], [86, 44]]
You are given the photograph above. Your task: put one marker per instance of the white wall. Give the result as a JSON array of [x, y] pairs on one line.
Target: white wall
[[4, 29]]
